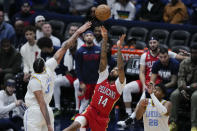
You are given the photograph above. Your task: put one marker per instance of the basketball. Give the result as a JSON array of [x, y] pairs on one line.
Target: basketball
[[103, 12]]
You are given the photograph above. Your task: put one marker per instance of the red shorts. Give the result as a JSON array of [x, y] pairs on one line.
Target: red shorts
[[89, 91], [70, 78], [95, 120]]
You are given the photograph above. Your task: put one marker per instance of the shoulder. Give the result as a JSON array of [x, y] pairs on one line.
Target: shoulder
[[174, 61]]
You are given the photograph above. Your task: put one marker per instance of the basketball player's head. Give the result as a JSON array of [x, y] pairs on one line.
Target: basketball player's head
[[159, 91], [163, 56], [39, 65], [10, 87], [45, 44], [88, 37], [193, 49], [153, 43], [113, 74]]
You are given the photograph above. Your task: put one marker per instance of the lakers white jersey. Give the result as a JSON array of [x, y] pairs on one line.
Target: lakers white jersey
[[153, 120], [45, 81]]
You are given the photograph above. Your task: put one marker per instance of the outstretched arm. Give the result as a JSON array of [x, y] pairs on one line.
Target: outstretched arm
[[120, 63], [60, 53], [103, 59]]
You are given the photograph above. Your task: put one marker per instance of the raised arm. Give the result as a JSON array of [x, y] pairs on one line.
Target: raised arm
[[60, 53], [120, 63], [103, 59]]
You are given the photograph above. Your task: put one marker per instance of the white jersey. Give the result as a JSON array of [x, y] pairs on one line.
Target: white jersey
[[44, 82], [153, 120]]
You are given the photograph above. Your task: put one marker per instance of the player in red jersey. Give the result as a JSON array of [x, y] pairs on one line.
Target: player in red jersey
[[107, 91], [146, 62]]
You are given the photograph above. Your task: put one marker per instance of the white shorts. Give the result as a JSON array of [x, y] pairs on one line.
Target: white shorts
[[34, 120]]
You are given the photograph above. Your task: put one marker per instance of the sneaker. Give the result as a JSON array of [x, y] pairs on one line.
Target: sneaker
[[194, 128], [173, 126], [125, 123], [56, 112]]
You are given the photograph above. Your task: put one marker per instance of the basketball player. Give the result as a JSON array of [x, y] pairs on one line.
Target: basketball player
[[39, 116], [107, 91], [155, 111], [146, 62]]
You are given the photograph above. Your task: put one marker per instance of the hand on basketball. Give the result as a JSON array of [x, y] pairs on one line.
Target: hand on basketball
[[84, 27], [104, 32], [121, 40], [144, 102]]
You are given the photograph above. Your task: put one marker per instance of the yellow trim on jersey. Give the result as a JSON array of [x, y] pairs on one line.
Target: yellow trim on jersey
[[36, 79]]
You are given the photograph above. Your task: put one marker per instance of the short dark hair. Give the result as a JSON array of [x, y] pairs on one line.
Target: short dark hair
[[5, 41], [163, 50], [44, 42], [162, 87], [30, 28], [193, 46], [38, 65]]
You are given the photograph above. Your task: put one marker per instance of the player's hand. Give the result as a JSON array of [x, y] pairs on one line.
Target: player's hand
[[84, 27], [82, 86], [26, 77], [50, 128], [144, 102], [144, 87], [150, 88], [121, 40], [19, 102], [104, 32]]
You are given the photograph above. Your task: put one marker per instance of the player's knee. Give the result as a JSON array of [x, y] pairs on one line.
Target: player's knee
[[76, 84], [126, 90]]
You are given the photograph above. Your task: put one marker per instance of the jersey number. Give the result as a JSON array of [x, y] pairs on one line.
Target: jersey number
[[103, 102], [153, 122]]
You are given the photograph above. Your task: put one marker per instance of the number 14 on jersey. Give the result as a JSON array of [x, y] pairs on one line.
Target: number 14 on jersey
[[102, 101]]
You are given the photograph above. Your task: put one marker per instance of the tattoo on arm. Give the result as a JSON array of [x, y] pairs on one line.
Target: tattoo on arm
[[103, 59], [120, 66]]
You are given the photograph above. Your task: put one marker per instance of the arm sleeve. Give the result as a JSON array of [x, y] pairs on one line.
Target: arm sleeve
[[51, 63], [5, 109], [142, 59], [172, 54], [161, 108], [78, 65], [103, 75], [35, 84], [120, 86]]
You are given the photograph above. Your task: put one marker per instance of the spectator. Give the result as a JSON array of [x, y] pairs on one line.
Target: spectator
[[10, 105], [29, 52], [19, 38], [6, 30], [151, 10], [80, 7], [187, 88], [47, 31], [39, 20], [123, 9], [98, 37], [175, 12], [26, 14], [59, 6], [167, 69], [10, 61]]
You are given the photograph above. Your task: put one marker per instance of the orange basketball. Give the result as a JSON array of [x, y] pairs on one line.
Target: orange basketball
[[103, 12]]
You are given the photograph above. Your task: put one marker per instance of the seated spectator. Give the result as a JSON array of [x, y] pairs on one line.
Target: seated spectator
[[187, 88], [80, 7], [47, 31], [29, 52], [175, 12], [6, 30], [193, 17], [26, 14], [10, 110], [39, 20], [151, 10], [19, 38], [10, 61], [166, 69], [124, 10]]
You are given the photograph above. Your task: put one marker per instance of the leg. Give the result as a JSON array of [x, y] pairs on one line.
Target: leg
[[80, 121], [6, 123], [194, 109], [131, 87], [175, 96], [76, 86], [59, 81]]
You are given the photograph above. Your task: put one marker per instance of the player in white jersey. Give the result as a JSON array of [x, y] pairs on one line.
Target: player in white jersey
[[155, 111], [39, 116]]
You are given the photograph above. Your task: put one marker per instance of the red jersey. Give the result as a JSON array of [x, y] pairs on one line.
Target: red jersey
[[104, 98], [149, 61]]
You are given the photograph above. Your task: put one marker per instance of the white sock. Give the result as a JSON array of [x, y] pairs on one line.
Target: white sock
[[128, 111]]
